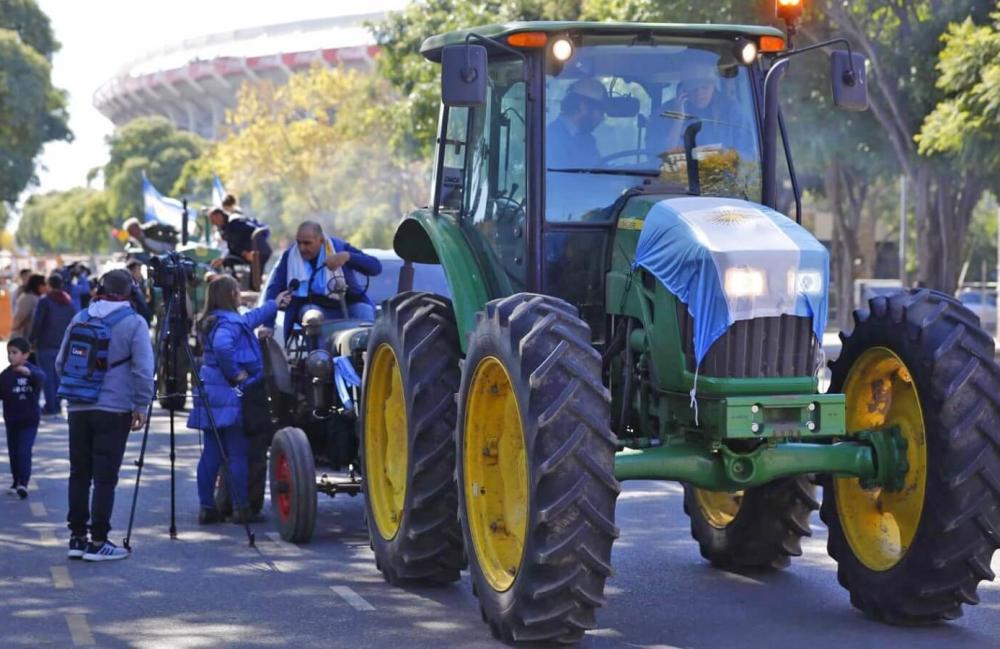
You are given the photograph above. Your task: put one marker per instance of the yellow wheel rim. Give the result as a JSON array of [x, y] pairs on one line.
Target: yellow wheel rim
[[880, 524], [385, 442], [495, 474], [719, 508]]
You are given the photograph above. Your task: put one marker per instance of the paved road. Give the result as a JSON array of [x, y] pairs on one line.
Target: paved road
[[208, 589]]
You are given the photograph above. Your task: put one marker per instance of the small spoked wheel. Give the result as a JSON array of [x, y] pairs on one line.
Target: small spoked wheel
[[293, 485]]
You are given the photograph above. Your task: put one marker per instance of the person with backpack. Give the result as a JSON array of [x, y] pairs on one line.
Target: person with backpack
[[232, 373], [106, 374], [20, 386], [52, 317]]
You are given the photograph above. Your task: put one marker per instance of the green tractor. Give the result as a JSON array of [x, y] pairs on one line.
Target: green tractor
[[626, 303]]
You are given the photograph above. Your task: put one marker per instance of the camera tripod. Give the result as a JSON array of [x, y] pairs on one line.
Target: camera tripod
[[171, 337]]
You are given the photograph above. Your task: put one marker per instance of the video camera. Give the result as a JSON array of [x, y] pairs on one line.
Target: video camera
[[171, 271]]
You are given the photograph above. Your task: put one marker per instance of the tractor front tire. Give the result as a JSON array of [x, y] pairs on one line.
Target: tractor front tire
[[757, 529], [293, 485], [407, 446], [536, 481], [915, 553]]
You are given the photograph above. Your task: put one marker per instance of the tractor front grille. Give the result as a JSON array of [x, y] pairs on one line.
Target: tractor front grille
[[773, 347]]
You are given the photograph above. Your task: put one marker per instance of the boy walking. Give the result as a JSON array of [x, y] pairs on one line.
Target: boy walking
[[20, 387], [106, 366]]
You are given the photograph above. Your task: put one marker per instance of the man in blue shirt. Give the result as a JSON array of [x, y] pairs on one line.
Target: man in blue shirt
[[315, 261], [570, 141]]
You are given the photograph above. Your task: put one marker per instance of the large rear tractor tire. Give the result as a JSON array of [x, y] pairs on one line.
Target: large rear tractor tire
[[915, 553], [293, 485], [407, 447], [760, 528], [536, 481]]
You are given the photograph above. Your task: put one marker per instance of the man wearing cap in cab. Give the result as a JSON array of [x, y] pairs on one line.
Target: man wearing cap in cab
[[570, 141]]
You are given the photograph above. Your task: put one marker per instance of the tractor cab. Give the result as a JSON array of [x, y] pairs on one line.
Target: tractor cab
[[575, 121]]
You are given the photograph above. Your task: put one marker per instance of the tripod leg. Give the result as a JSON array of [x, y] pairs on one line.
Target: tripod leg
[[127, 542], [237, 498]]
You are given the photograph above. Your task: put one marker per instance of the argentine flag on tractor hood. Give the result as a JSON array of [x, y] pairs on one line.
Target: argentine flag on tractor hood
[[731, 260], [168, 211]]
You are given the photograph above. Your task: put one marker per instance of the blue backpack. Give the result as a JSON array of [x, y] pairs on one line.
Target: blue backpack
[[86, 359]]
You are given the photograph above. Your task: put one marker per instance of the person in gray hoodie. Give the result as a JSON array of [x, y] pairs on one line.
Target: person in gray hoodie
[[98, 431]]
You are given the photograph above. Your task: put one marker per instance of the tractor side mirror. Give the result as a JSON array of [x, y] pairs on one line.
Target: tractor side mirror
[[850, 81], [463, 75]]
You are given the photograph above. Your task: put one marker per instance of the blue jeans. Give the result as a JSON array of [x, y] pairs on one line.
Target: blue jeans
[[235, 443], [47, 361], [20, 441]]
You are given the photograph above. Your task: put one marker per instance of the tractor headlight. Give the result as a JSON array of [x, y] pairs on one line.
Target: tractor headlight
[[744, 282], [807, 282]]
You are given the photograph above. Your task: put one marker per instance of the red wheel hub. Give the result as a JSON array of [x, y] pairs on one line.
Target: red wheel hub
[[283, 480]]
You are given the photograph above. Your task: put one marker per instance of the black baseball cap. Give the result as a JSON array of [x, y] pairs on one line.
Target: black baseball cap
[[116, 282]]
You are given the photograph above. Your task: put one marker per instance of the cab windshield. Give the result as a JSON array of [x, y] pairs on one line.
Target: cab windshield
[[618, 114]]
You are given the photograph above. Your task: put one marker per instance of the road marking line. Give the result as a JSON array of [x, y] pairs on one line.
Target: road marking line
[[47, 537], [289, 548], [357, 601], [79, 630], [60, 577], [38, 509]]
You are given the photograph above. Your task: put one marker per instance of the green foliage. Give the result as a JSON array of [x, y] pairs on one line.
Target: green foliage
[[315, 148], [32, 111], [70, 221], [25, 18], [149, 144], [967, 121]]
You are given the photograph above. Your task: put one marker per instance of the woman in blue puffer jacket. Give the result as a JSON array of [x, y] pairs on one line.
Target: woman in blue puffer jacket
[[232, 363]]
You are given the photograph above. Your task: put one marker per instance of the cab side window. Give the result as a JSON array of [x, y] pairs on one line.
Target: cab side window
[[451, 178]]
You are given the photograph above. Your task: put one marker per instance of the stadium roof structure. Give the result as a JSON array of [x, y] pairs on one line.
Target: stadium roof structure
[[193, 82]]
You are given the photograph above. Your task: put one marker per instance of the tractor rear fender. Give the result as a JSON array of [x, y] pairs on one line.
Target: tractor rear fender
[[425, 238]]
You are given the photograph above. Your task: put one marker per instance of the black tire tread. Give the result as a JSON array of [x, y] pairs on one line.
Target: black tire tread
[[951, 360], [301, 523], [428, 546], [767, 530], [571, 525]]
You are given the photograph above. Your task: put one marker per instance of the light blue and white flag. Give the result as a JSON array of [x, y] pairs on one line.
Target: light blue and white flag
[[731, 260], [168, 211], [218, 191]]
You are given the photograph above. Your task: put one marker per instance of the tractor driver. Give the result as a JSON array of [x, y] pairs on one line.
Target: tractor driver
[[570, 141], [312, 261]]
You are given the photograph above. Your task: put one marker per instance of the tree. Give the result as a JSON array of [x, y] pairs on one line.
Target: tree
[[315, 148], [966, 123], [901, 41], [149, 144], [34, 112], [69, 221]]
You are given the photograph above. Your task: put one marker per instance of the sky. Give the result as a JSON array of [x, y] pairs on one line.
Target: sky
[[99, 36]]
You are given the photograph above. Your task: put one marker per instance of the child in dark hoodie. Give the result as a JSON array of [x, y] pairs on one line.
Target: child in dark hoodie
[[52, 316], [20, 386]]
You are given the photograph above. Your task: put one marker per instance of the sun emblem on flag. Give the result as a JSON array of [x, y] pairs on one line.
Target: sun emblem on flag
[[731, 215]]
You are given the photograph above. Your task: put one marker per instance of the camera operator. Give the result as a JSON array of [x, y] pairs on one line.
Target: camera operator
[[152, 236], [243, 236], [232, 373], [106, 401], [311, 262]]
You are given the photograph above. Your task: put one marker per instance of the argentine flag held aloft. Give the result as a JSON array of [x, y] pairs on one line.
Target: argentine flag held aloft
[[168, 211], [731, 260], [218, 191]]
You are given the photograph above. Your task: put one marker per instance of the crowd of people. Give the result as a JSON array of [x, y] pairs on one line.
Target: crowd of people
[[93, 350]]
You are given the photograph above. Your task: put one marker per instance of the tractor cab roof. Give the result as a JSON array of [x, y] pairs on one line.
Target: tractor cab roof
[[431, 47]]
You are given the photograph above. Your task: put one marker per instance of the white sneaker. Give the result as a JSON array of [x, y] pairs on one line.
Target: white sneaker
[[106, 551]]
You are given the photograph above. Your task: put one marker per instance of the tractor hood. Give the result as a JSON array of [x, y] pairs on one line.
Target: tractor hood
[[731, 260]]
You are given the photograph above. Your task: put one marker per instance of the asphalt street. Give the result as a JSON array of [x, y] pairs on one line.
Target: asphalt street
[[207, 588]]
